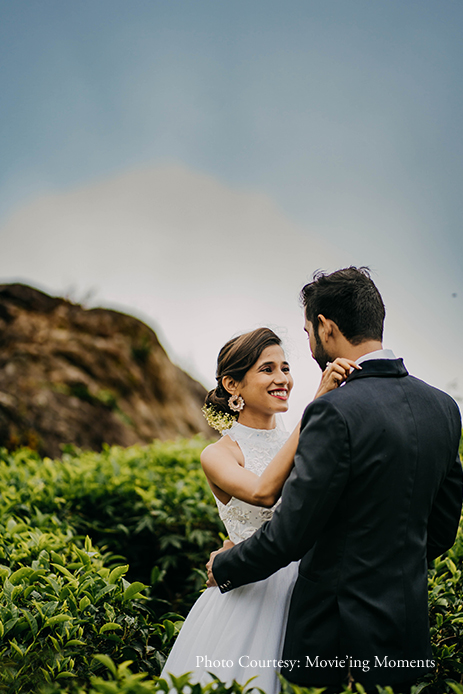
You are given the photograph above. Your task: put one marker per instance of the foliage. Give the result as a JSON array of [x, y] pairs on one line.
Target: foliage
[[70, 620], [150, 504], [446, 615], [62, 603], [60, 606], [120, 680]]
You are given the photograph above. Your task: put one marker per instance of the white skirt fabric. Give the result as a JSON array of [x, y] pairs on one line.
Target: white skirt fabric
[[236, 635]]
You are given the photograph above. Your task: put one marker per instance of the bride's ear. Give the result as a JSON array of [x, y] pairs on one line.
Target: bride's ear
[[229, 384]]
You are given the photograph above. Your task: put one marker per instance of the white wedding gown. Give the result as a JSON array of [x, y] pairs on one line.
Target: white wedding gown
[[239, 634]]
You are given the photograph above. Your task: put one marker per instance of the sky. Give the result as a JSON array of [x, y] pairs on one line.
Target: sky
[[193, 162]]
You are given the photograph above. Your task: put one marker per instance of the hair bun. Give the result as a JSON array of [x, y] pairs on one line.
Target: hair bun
[[218, 398]]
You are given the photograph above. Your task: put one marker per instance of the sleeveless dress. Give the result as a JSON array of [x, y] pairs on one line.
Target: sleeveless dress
[[239, 634]]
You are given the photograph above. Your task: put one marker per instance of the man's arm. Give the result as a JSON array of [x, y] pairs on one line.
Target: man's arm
[[321, 470], [445, 514]]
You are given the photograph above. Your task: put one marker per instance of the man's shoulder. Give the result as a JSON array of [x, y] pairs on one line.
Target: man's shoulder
[[361, 391], [331, 402], [422, 388]]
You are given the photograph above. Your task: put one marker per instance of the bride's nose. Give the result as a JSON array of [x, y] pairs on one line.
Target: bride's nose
[[282, 377]]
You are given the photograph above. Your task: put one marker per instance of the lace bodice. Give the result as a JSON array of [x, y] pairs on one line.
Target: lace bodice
[[259, 446]]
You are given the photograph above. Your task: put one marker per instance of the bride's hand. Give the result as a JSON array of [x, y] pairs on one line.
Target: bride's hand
[[335, 373]]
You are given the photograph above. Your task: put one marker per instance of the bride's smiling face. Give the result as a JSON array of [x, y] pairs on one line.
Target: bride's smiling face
[[268, 383]]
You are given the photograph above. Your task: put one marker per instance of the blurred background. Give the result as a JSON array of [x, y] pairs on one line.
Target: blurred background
[[192, 163]]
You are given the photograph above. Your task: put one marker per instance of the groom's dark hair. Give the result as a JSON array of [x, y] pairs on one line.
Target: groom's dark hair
[[348, 297]]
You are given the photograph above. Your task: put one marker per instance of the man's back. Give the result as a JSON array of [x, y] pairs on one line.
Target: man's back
[[363, 585]]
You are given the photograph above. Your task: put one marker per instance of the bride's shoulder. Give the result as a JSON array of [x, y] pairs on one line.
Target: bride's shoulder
[[225, 447]]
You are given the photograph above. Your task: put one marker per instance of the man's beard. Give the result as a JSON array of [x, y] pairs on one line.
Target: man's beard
[[320, 356]]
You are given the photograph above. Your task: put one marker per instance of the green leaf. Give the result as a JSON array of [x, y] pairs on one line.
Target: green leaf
[[4, 572], [16, 648], [31, 621], [107, 662], [75, 642], [116, 573], [421, 687], [55, 643], [57, 558], [84, 603], [109, 626], [18, 575], [104, 591], [10, 624], [132, 590], [58, 619], [156, 575], [170, 628], [102, 687], [64, 571]]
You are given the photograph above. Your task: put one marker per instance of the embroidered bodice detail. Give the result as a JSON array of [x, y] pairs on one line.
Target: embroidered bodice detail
[[258, 446]]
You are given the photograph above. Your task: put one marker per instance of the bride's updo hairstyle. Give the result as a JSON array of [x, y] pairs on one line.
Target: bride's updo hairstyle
[[235, 359]]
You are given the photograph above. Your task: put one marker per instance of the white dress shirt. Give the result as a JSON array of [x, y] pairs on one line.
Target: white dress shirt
[[377, 354]]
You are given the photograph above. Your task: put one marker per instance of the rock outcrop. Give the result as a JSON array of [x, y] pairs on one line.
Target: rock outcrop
[[86, 377]]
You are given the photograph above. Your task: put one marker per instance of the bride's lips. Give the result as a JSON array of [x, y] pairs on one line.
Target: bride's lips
[[281, 394]]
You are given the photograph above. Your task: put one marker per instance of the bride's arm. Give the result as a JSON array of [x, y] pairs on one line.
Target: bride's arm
[[222, 466], [224, 469]]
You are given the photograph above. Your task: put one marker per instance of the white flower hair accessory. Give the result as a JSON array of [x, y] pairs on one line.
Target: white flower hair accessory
[[220, 421]]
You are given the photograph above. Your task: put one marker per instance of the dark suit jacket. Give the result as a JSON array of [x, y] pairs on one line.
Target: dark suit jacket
[[375, 493]]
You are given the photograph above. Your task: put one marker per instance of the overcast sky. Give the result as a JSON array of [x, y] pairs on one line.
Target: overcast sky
[[194, 162]]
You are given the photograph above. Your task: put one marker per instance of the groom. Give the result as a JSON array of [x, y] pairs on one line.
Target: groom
[[374, 495]]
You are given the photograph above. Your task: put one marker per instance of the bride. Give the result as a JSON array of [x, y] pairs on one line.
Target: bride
[[239, 634]]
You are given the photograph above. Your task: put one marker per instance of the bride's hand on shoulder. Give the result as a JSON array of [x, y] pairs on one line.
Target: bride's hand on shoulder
[[335, 373]]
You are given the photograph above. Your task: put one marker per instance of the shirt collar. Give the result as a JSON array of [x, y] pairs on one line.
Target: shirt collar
[[377, 354]]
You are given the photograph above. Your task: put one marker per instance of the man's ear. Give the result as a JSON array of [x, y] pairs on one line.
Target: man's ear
[[229, 384], [325, 327]]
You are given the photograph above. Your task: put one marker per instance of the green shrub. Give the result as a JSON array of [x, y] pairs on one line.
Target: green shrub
[[60, 606], [150, 504], [446, 615], [61, 602], [70, 621]]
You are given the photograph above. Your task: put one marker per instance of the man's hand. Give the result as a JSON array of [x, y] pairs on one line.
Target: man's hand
[[210, 576]]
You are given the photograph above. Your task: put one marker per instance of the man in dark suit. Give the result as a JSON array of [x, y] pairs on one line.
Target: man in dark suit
[[375, 494]]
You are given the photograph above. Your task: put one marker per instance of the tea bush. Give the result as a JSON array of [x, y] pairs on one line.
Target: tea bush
[[445, 585], [150, 504], [61, 602], [78, 620], [60, 606]]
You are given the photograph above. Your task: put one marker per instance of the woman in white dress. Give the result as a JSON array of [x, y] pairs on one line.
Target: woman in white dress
[[239, 634]]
